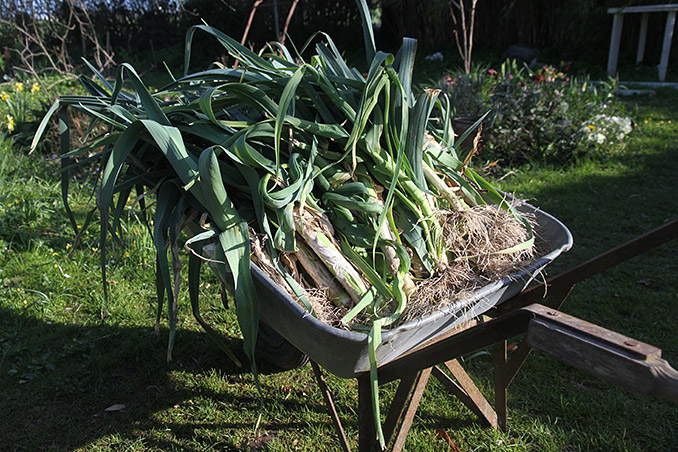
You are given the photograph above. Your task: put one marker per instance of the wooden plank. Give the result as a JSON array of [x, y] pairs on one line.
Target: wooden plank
[[624, 344], [615, 39], [666, 46], [595, 355], [643, 9], [642, 38]]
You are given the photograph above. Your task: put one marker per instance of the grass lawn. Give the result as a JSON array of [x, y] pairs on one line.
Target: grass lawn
[[70, 381]]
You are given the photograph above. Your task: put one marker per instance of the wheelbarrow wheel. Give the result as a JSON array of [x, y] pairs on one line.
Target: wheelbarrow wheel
[[277, 351]]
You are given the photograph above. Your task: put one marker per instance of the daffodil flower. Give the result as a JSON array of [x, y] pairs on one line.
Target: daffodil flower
[[19, 87], [4, 96], [35, 88]]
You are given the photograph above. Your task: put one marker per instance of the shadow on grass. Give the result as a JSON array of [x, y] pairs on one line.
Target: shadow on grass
[[58, 381]]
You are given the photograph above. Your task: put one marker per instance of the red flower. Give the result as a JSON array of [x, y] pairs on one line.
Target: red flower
[[492, 72], [536, 78]]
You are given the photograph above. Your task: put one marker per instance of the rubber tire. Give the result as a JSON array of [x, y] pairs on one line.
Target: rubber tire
[[277, 351]]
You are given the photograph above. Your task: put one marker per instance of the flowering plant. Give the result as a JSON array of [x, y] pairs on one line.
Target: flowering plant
[[22, 104], [546, 115], [605, 129], [17, 102]]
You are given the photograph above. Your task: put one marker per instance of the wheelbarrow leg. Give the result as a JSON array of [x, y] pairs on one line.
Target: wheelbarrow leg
[[331, 410], [501, 375], [463, 388], [367, 435], [404, 406], [400, 415], [505, 368]]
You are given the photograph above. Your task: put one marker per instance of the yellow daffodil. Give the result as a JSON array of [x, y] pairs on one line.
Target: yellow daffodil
[[10, 123], [4, 96], [19, 87], [35, 88]]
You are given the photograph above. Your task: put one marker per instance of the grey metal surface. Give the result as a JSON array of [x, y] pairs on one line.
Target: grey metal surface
[[345, 353]]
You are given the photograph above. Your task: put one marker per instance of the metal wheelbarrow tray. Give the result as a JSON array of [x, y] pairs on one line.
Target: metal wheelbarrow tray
[[345, 353], [431, 346]]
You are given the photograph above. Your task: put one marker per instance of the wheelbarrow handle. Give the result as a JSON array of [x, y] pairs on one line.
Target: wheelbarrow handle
[[633, 365]]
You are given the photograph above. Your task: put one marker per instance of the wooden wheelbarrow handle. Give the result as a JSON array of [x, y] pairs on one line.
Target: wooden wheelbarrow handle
[[633, 365], [620, 360]]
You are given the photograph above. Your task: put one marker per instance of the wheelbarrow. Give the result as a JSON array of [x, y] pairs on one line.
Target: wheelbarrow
[[416, 350]]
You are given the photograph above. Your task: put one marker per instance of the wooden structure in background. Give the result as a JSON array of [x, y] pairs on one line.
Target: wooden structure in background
[[640, 55]]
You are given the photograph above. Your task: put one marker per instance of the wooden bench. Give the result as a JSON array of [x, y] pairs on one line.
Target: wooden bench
[[645, 11]]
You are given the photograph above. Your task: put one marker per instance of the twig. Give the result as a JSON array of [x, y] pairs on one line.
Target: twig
[[287, 21], [249, 20]]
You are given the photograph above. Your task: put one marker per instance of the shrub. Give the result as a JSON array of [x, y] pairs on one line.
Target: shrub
[[542, 115]]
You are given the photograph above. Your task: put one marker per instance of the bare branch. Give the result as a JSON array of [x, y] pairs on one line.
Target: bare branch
[[249, 20], [467, 28], [287, 21]]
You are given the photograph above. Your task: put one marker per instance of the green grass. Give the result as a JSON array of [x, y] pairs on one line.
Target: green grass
[[61, 365]]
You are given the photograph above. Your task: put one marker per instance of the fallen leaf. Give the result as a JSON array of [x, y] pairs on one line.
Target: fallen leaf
[[116, 407], [645, 282]]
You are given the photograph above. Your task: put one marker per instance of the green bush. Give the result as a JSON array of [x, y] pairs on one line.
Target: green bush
[[540, 116]]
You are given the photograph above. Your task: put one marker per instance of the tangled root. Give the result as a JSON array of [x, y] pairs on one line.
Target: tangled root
[[475, 239]]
